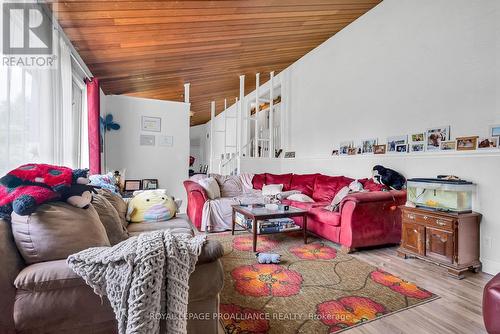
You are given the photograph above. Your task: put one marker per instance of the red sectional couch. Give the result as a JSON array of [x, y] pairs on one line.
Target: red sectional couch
[[364, 219]]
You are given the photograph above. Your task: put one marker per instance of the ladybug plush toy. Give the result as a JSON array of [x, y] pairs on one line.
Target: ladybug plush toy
[[23, 189]]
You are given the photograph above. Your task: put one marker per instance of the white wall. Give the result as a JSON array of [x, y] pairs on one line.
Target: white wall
[[405, 66], [123, 150], [198, 145]]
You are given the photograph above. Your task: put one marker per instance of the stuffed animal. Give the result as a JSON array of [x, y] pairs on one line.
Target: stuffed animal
[[152, 206], [266, 258], [79, 195], [23, 189], [104, 181], [388, 177]]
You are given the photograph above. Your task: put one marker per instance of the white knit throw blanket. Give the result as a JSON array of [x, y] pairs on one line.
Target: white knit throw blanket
[[145, 278]]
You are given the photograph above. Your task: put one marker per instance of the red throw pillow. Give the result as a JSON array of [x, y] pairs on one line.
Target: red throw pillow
[[326, 187], [370, 185], [303, 183], [283, 179], [258, 181]]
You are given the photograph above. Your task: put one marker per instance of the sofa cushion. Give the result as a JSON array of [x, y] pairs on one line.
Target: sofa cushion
[[179, 224], [118, 203], [48, 275], [303, 205], [56, 230], [326, 187], [258, 181], [211, 187], [300, 198], [322, 215], [115, 231], [283, 179], [303, 183], [271, 189], [370, 185], [230, 185]]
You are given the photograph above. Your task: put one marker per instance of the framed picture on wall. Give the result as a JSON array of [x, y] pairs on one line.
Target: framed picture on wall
[[437, 135], [132, 185], [467, 143], [379, 149], [495, 130], [149, 184], [151, 124], [393, 142]]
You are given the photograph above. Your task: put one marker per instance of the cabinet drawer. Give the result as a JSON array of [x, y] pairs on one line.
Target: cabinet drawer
[[429, 220]]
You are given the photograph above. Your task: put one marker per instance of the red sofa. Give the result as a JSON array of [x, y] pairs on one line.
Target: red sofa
[[364, 219], [491, 305]]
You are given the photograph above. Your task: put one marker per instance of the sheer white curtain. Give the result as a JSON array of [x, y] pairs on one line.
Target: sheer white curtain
[[37, 120]]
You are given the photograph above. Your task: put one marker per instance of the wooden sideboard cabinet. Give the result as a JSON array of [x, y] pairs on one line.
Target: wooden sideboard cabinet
[[447, 239]]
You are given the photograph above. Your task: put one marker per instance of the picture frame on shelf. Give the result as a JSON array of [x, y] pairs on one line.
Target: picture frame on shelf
[[418, 137], [392, 142], [352, 151], [345, 146], [289, 155], [152, 124], [402, 148], [150, 184], [335, 153], [367, 145], [132, 185], [488, 143], [417, 147], [466, 143], [379, 149], [448, 145], [495, 130], [436, 135]]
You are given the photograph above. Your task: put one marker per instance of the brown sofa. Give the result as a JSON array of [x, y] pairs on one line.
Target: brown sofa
[[48, 297]]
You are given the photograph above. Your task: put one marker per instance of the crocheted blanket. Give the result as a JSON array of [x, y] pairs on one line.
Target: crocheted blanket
[[145, 279]]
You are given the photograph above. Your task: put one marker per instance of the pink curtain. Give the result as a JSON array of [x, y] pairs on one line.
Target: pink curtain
[[93, 105]]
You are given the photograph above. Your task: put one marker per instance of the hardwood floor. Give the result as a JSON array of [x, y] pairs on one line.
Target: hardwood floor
[[457, 311]]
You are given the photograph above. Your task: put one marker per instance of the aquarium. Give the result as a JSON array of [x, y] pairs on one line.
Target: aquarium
[[441, 195]]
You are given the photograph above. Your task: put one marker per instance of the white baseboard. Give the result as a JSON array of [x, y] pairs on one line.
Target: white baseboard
[[490, 267]]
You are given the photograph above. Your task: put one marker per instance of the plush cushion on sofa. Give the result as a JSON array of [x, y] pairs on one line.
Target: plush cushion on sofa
[[300, 198], [258, 181], [326, 187], [303, 183], [56, 230], [271, 189], [110, 219], [118, 203], [47, 276], [283, 179], [325, 216], [211, 187], [230, 185]]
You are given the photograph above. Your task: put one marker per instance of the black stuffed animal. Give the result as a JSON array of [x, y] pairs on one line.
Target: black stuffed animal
[[388, 177], [79, 195]]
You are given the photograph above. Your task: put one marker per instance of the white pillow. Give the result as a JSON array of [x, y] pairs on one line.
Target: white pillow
[[211, 187], [271, 189], [300, 198]]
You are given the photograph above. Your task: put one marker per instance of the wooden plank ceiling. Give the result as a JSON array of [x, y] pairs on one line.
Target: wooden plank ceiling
[[151, 48]]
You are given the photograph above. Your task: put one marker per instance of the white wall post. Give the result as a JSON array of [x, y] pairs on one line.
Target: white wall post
[[256, 132], [212, 124], [271, 115], [239, 138], [186, 92], [225, 127]]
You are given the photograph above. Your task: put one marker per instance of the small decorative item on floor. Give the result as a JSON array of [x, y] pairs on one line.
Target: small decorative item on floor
[[467, 143], [388, 177], [268, 258]]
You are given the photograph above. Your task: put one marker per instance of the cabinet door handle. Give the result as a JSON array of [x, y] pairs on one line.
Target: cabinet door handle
[[415, 230], [411, 216], [425, 217], [440, 222]]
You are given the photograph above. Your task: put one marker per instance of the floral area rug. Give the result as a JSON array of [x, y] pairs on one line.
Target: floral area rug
[[315, 288]]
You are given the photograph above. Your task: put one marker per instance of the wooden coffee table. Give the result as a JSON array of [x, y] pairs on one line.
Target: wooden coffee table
[[255, 213]]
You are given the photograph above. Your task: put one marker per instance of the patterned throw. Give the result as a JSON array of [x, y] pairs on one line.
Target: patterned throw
[[315, 289], [145, 279]]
